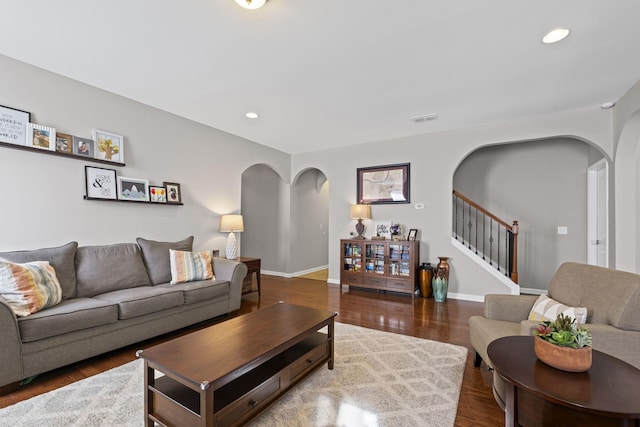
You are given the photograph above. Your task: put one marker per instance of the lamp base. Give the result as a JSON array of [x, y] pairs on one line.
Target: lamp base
[[231, 250], [359, 229]]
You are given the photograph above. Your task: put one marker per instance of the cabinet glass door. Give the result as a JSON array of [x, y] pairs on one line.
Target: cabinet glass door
[[352, 257], [374, 260], [399, 259]]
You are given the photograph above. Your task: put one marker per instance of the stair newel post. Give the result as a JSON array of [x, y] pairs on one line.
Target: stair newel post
[[515, 228]]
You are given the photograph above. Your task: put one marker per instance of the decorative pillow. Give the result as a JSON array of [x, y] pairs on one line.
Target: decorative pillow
[[190, 266], [546, 308], [29, 287], [156, 257]]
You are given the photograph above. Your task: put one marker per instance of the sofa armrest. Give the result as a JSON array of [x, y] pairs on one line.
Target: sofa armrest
[[10, 345], [234, 272], [509, 308]]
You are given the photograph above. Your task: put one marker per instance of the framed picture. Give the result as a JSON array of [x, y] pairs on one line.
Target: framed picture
[[13, 125], [133, 189], [383, 229], [109, 146], [173, 192], [383, 184], [64, 143], [41, 137], [413, 233], [82, 146], [158, 194], [101, 183]]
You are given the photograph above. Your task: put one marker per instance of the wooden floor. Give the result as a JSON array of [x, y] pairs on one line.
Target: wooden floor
[[445, 322]]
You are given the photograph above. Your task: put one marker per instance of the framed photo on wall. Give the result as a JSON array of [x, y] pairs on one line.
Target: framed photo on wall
[[173, 192], [13, 125], [133, 189], [109, 146], [41, 137], [387, 184], [82, 146], [64, 143], [101, 183], [157, 194]]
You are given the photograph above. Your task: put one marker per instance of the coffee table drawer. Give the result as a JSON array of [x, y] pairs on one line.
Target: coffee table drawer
[[308, 361], [258, 397]]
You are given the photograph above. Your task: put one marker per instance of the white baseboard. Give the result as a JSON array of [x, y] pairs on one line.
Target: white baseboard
[[291, 275]]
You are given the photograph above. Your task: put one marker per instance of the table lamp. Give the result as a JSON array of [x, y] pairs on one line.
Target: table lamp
[[231, 224], [360, 212]]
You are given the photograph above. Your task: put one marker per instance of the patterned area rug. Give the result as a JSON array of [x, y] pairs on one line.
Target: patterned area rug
[[379, 379]]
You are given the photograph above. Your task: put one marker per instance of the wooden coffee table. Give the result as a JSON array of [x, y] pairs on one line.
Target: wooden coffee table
[[228, 373], [608, 394]]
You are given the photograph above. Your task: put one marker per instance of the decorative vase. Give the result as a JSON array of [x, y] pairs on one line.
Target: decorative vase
[[425, 275], [440, 282], [563, 358]]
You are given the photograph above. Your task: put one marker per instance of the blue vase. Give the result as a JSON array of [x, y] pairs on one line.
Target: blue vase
[[439, 285]]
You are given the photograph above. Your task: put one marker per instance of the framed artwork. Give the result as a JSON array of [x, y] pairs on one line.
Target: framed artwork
[[383, 229], [383, 184], [41, 137], [134, 189], [101, 183], [82, 146], [13, 125], [64, 143], [413, 233], [109, 146], [173, 192], [158, 194]]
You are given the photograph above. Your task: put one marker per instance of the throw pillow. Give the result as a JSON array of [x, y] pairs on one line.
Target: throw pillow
[[190, 266], [29, 287], [546, 308], [156, 257]]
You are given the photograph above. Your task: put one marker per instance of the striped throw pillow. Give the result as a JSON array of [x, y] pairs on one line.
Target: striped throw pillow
[[190, 266], [546, 308], [29, 287]]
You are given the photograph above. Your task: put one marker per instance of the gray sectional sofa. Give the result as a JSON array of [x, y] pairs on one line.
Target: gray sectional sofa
[[112, 296]]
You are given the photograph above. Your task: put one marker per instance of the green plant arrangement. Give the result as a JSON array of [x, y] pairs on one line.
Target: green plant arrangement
[[564, 332]]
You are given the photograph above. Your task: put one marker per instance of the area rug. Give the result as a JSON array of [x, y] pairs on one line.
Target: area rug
[[379, 379]]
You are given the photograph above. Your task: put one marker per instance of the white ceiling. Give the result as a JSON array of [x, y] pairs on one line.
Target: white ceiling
[[328, 73]]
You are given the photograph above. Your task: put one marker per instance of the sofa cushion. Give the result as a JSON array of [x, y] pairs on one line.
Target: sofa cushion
[[69, 316], [201, 290], [107, 268], [143, 300], [546, 308], [29, 287], [156, 257], [190, 266], [62, 258]]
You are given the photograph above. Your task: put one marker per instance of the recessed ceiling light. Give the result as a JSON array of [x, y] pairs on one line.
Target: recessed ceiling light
[[556, 35], [607, 105], [251, 4], [252, 115]]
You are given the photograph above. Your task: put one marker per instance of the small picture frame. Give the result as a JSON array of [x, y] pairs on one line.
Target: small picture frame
[[100, 182], [64, 143], [83, 146], [13, 125], [41, 137], [109, 146], [157, 194], [134, 189], [383, 229], [173, 192], [413, 234]]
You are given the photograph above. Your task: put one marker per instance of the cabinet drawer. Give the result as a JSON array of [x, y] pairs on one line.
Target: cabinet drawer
[[307, 361], [400, 285], [377, 282], [256, 398], [355, 279]]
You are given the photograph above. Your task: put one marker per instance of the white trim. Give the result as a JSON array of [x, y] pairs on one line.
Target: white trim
[[276, 273], [592, 183], [533, 291], [465, 297], [311, 270], [334, 282], [292, 275]]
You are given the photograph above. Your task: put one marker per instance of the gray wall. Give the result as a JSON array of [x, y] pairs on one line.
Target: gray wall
[[543, 185]]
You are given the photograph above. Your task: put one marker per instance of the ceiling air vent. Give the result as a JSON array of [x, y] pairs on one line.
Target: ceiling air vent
[[424, 118]]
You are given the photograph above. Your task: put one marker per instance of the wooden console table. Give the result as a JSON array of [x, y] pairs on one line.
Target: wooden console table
[[253, 266]]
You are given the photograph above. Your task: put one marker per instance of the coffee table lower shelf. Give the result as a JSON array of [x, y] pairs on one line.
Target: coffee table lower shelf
[[173, 404]]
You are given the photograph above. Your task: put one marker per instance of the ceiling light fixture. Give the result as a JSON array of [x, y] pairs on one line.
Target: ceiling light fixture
[[252, 115], [608, 105], [251, 4], [556, 35]]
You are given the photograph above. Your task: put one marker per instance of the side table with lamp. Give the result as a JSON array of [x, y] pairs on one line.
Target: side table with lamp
[[231, 224]]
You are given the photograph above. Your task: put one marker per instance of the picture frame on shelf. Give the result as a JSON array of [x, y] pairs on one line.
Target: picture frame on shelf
[[413, 234], [41, 137], [64, 143], [157, 194], [108, 146], [387, 184], [134, 189], [383, 229], [83, 146], [13, 125], [174, 195], [100, 183]]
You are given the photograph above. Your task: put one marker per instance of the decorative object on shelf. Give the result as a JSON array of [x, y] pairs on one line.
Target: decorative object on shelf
[[396, 230], [134, 189], [425, 275], [383, 229], [231, 224], [440, 281], [383, 184], [13, 125], [109, 146], [360, 212], [100, 183], [64, 143], [174, 194], [83, 146], [251, 4], [157, 194], [413, 234], [41, 137], [563, 345]]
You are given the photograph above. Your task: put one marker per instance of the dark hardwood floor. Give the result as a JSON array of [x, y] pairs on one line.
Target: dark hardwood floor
[[445, 322]]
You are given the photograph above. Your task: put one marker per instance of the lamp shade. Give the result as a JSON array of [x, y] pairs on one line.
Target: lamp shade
[[360, 212], [231, 223]]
